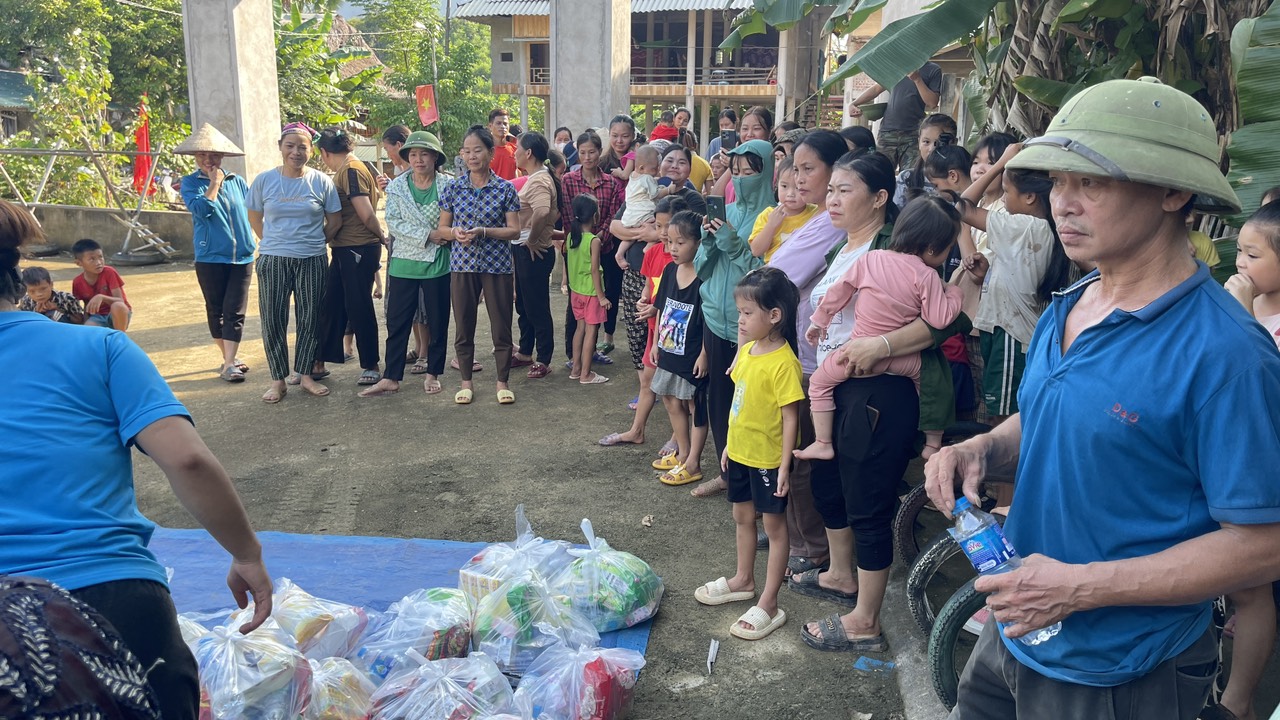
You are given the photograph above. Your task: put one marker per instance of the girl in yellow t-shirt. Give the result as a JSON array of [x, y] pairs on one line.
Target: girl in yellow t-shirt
[[764, 422], [774, 225]]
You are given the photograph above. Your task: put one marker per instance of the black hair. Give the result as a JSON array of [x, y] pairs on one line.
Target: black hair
[[689, 223], [728, 114], [667, 116], [858, 137], [555, 158], [788, 126], [496, 113], [784, 165], [915, 182], [590, 136], [584, 208], [83, 246], [771, 289], [607, 158], [1037, 182], [755, 161], [562, 127], [1267, 220], [946, 158], [481, 132], [875, 170], [396, 134], [36, 276], [670, 205], [536, 145], [335, 140], [995, 144], [677, 147], [515, 129], [17, 226], [766, 117], [927, 224], [828, 145]]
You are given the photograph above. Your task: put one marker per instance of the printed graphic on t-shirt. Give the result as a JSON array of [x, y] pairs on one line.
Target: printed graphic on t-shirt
[[673, 328], [829, 344], [738, 390]]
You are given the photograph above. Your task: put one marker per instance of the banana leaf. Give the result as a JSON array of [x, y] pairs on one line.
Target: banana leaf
[[906, 44], [842, 22], [1255, 165], [1253, 150], [780, 14]]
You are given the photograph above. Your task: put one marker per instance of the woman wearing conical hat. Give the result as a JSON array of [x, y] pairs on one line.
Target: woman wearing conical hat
[[224, 241]]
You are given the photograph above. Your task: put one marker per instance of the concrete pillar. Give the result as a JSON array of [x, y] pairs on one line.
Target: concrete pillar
[[690, 59], [704, 126], [648, 112], [650, 55], [229, 42], [592, 80], [784, 76], [706, 47], [522, 62]]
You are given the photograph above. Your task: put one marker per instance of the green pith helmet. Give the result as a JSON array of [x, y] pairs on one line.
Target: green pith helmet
[[421, 139], [1136, 131]]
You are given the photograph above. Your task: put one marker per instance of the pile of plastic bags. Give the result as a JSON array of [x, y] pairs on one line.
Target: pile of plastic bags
[[526, 613]]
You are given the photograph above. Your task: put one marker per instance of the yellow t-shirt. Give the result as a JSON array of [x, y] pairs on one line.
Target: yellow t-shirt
[[699, 171], [789, 225], [1206, 252], [763, 385]]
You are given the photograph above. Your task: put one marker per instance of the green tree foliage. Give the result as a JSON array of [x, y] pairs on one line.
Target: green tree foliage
[[312, 86]]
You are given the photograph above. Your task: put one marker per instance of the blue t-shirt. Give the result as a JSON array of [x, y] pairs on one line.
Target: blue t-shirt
[[293, 211], [1156, 426], [69, 513], [221, 226]]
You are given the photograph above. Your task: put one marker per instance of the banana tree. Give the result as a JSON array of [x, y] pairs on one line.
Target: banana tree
[[1254, 153]]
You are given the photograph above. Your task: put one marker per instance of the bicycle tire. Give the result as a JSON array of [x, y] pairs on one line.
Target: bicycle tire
[[946, 634], [942, 549], [904, 524]]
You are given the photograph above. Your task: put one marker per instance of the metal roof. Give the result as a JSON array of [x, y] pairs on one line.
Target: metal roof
[[491, 8], [15, 93]]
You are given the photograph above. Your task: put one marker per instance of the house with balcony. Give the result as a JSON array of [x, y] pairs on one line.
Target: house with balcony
[[675, 58]]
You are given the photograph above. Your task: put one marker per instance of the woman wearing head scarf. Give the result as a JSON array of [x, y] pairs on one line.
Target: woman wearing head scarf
[[224, 242], [295, 210]]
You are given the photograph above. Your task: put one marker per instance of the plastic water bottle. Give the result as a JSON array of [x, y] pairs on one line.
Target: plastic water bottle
[[984, 543]]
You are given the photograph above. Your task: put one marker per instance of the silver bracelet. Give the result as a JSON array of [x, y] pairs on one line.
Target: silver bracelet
[[887, 346]]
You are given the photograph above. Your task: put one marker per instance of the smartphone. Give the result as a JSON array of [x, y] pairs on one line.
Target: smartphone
[[728, 139], [715, 208]]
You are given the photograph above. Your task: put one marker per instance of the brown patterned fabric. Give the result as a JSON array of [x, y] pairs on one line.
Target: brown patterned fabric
[[60, 660]]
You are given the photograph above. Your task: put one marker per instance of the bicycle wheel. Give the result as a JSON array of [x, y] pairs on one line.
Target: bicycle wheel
[[917, 520], [951, 642], [935, 575]]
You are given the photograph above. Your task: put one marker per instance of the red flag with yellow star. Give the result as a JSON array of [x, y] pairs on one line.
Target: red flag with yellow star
[[427, 110]]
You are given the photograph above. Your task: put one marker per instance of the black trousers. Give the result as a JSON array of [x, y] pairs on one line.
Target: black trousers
[[612, 290], [403, 296], [875, 434], [226, 295], [143, 613], [533, 302], [349, 301], [720, 354]]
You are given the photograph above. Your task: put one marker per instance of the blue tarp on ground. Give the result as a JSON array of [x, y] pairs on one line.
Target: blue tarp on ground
[[372, 572]]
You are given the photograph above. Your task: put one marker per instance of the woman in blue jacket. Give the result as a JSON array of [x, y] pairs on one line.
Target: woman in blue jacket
[[224, 242]]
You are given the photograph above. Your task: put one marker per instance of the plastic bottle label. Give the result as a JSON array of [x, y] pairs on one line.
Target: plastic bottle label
[[987, 549]]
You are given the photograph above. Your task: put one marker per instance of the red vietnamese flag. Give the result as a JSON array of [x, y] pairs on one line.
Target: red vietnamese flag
[[142, 163], [427, 110]]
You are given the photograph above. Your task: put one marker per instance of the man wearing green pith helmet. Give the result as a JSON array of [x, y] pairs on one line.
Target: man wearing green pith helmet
[[1148, 439]]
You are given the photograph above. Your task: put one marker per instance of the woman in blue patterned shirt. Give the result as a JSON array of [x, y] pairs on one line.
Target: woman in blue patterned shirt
[[482, 214]]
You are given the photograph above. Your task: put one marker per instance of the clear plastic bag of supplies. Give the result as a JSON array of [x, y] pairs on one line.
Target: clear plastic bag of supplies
[[436, 623], [521, 619], [580, 683], [499, 562], [321, 628], [259, 676], [191, 629], [611, 588], [339, 691], [467, 688]]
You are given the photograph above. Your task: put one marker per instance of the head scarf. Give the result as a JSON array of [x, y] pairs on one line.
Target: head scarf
[[299, 128], [754, 192]]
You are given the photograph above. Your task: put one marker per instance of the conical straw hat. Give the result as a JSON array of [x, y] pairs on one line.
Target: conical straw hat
[[207, 139]]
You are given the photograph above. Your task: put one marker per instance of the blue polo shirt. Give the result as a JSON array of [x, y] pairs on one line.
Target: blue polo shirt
[[75, 397], [1155, 427]]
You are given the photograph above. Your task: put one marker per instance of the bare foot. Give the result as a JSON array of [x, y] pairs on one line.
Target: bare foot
[[852, 628], [431, 385], [380, 388], [275, 392], [817, 450], [313, 387]]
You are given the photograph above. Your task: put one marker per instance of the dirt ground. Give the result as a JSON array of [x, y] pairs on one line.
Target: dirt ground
[[410, 465]]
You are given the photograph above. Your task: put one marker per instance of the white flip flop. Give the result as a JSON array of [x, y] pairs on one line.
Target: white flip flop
[[760, 620], [717, 592]]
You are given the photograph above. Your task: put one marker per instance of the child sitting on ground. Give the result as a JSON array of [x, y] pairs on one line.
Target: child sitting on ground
[[643, 190], [892, 287], [56, 305], [764, 423], [100, 288], [774, 225]]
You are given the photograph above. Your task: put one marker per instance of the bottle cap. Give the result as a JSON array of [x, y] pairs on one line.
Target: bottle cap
[[962, 504]]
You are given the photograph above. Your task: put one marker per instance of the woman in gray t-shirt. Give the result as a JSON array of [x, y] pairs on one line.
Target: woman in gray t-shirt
[[293, 209]]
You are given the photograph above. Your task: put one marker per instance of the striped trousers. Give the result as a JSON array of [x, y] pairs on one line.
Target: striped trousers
[[279, 279]]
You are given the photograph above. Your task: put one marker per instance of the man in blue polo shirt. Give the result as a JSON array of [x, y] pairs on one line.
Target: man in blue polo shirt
[[1148, 441]]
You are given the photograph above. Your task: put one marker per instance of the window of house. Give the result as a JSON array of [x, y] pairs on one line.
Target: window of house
[[506, 57], [8, 124]]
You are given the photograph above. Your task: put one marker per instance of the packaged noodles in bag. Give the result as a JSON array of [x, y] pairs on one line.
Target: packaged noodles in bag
[[435, 623], [467, 688], [339, 691], [580, 684], [500, 562], [611, 588], [259, 676], [515, 624], [321, 628]]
